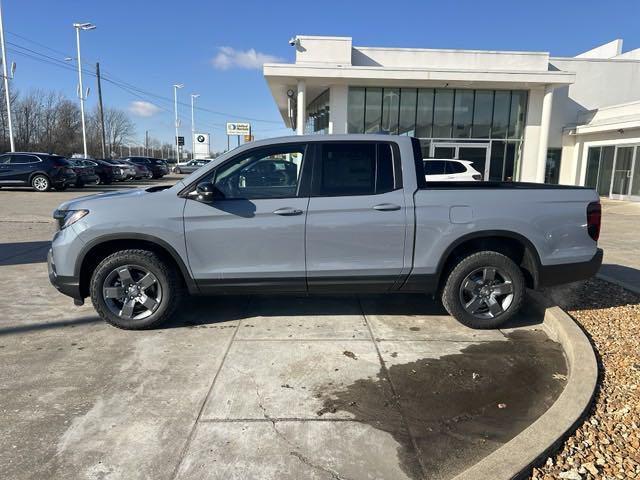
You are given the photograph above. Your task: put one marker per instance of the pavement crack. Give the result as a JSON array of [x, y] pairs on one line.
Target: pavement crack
[[296, 449], [335, 475]]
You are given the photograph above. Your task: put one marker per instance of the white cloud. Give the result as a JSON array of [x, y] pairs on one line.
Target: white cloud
[[143, 109], [229, 57]]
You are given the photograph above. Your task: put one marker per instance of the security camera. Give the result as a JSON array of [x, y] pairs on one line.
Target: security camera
[[293, 41]]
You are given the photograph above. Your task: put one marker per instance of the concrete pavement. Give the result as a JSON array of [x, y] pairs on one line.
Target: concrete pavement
[[252, 387], [620, 239]]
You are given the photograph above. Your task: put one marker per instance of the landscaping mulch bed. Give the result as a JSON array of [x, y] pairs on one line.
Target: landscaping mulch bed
[[607, 444]]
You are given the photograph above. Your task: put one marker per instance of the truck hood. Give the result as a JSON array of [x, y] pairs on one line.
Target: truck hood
[[132, 195]]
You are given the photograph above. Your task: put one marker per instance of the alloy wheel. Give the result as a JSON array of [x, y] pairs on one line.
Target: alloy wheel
[[486, 292], [41, 184], [132, 292]]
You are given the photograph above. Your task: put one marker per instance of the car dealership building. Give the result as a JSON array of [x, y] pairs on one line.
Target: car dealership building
[[523, 116]]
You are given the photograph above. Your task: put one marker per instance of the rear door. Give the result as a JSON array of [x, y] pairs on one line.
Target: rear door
[[356, 219], [21, 168], [253, 238]]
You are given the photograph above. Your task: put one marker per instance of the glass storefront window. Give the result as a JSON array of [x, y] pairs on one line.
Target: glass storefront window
[[390, 110], [482, 114], [355, 110], [593, 166], [496, 166], [635, 181], [442, 113], [424, 115], [407, 124], [606, 167], [501, 105], [318, 114], [552, 168], [463, 113], [373, 111], [517, 114], [511, 161]]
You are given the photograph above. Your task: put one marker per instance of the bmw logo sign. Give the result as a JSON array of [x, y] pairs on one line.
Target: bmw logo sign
[[200, 138]]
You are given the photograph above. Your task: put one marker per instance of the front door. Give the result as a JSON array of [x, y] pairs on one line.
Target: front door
[[476, 153], [623, 165], [356, 221], [253, 238]]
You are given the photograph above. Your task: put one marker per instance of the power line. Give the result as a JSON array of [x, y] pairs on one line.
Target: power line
[[131, 86]]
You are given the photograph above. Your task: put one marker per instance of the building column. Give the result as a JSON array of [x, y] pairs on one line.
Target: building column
[[338, 102], [543, 140], [301, 113]]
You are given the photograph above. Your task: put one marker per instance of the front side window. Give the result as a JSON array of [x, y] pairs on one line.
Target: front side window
[[354, 169], [272, 172]]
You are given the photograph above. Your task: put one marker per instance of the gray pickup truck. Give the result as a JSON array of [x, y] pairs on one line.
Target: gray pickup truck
[[323, 214]]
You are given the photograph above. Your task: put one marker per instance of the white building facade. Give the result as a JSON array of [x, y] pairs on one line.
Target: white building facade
[[522, 116]]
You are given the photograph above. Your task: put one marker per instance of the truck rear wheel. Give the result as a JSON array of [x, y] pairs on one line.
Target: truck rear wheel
[[484, 290], [135, 289]]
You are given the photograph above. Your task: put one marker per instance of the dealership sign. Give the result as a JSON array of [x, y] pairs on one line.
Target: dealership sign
[[238, 128], [201, 145]]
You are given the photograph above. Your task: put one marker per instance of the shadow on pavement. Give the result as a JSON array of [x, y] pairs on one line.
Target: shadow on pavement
[[622, 275], [20, 253]]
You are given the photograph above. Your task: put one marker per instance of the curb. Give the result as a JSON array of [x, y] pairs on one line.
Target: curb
[[515, 458], [620, 283]]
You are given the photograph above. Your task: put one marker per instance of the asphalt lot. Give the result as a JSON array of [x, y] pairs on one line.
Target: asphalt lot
[[251, 387]]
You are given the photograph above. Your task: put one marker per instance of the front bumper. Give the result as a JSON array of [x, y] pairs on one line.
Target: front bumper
[[70, 286], [551, 275]]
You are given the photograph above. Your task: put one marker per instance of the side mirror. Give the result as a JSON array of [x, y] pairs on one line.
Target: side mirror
[[208, 192]]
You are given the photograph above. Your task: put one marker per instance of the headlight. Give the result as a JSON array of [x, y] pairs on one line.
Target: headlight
[[68, 217]]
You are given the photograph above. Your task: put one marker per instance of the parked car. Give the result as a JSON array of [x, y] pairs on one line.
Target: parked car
[[42, 171], [437, 170], [323, 214], [140, 171], [191, 166], [108, 172], [129, 171], [85, 172], [157, 167]]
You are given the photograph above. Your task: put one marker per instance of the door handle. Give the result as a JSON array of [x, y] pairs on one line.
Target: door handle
[[386, 207], [287, 212]]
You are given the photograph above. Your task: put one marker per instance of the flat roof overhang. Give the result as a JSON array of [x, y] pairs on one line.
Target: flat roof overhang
[[282, 77]]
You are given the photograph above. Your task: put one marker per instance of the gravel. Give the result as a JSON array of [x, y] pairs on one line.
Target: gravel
[[607, 444]]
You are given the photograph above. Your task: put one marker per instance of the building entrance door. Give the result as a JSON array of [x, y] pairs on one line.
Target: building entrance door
[[479, 154], [622, 172]]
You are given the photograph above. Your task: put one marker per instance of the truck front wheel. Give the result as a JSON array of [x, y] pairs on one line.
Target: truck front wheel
[[135, 289], [484, 290]]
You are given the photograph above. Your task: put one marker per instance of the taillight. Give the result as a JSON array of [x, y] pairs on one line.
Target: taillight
[[594, 220]]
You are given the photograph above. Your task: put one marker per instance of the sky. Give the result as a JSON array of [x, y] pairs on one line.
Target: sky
[[216, 49]]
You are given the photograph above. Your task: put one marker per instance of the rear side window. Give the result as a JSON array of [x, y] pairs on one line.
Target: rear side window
[[455, 167], [354, 169], [434, 167], [23, 159]]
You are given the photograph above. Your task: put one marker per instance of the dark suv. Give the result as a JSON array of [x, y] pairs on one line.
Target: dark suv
[[42, 171], [157, 167]]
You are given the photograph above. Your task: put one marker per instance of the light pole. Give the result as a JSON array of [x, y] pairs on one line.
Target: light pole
[[78, 27], [6, 82], [175, 110], [193, 125]]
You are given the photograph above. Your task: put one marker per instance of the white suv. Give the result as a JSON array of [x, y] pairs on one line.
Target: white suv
[[438, 170]]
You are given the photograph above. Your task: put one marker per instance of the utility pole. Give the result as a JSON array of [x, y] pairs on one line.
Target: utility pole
[[193, 126], [175, 110], [146, 142], [101, 111], [6, 82], [81, 94]]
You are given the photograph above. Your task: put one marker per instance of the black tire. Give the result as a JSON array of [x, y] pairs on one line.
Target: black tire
[[41, 183], [168, 278], [178, 171], [454, 295]]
